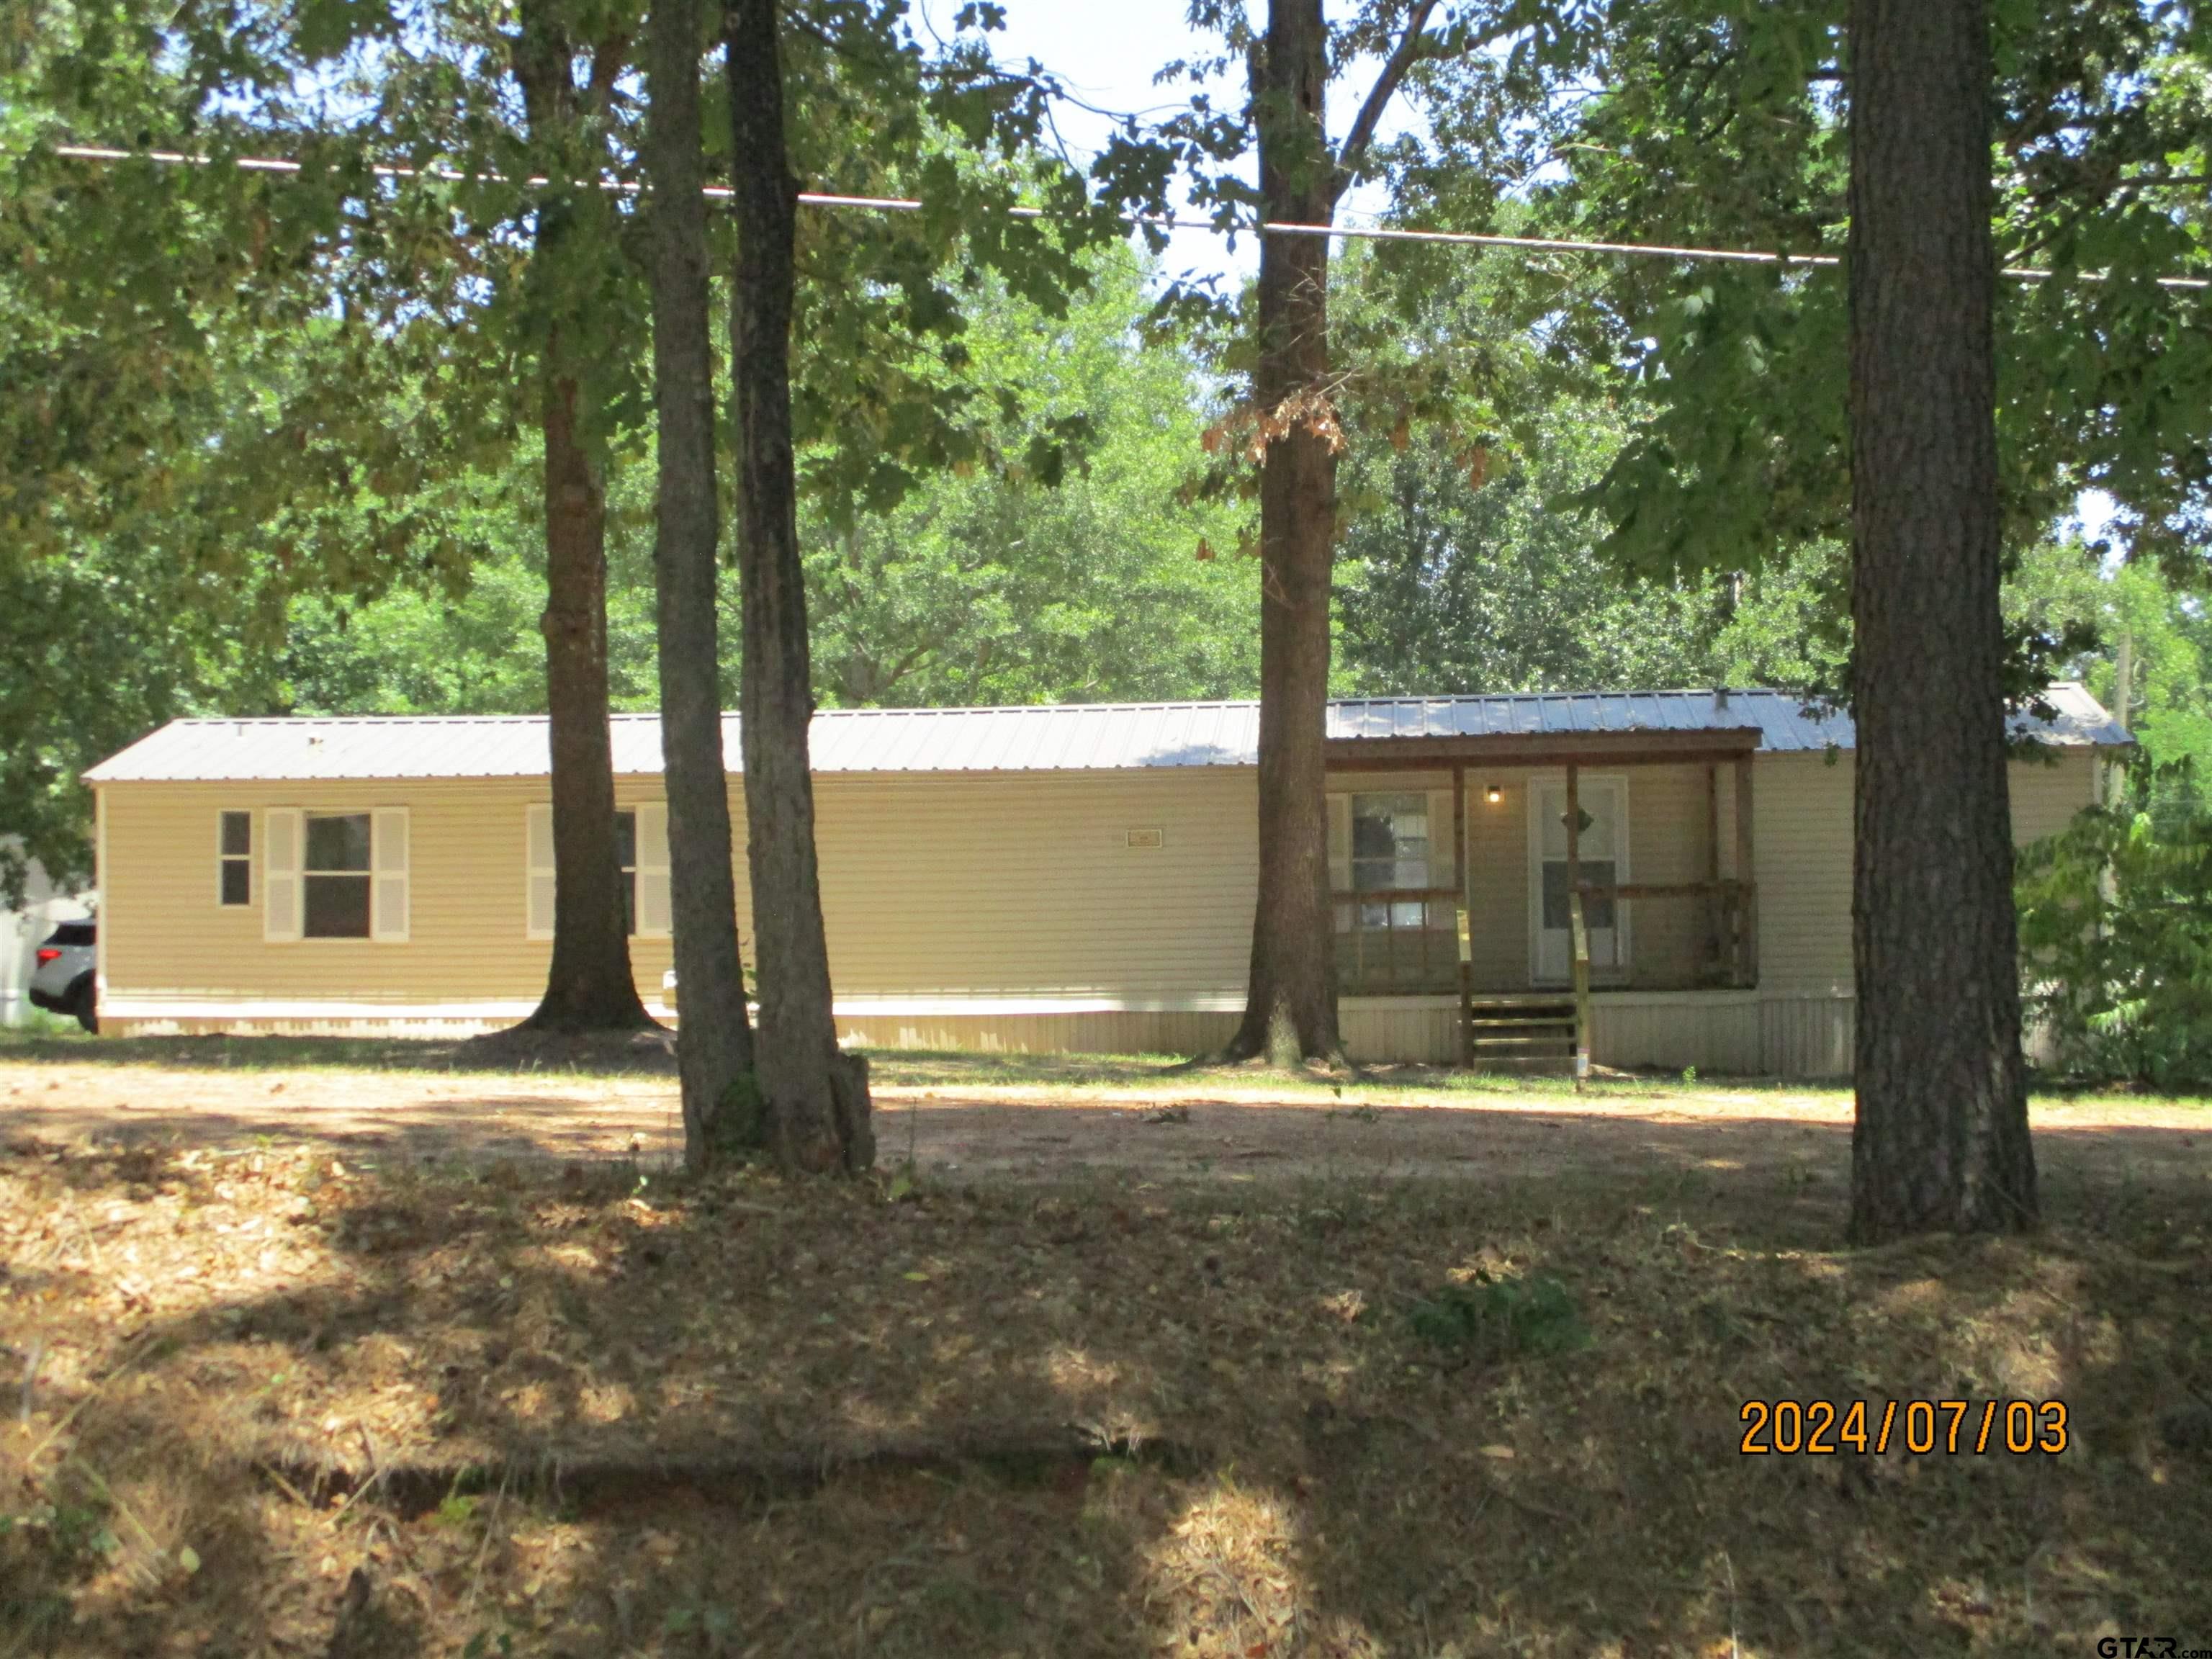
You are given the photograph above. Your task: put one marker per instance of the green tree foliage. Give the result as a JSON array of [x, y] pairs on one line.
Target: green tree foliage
[[982, 583], [1449, 585], [189, 435], [2115, 940], [1000, 587], [1693, 122], [2062, 590]]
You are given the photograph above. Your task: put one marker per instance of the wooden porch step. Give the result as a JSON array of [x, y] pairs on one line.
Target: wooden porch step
[[1530, 1033]]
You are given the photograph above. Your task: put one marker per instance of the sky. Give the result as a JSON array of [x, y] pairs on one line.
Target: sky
[[1107, 52]]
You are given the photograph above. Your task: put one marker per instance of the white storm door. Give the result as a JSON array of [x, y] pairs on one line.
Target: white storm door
[[1604, 855]]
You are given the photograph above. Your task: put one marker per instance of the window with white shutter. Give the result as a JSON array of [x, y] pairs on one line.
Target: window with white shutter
[[389, 871], [281, 906], [641, 870]]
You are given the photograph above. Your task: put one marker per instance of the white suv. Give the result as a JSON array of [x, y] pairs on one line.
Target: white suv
[[62, 982]]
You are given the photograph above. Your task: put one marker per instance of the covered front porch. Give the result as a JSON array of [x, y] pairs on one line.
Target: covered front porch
[[1537, 883]]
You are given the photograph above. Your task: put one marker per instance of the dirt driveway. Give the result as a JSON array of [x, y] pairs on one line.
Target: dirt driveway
[[1797, 1140]]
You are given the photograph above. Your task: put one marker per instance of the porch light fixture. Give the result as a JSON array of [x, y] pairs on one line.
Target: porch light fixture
[[1493, 793]]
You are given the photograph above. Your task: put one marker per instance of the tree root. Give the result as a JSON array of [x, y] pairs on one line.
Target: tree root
[[1032, 1454]]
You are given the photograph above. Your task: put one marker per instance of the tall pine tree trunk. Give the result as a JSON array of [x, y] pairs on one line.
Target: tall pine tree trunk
[[1942, 1138], [817, 1099], [1290, 1010], [714, 1046], [588, 985]]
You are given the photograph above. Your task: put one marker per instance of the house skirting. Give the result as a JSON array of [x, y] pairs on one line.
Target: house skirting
[[1740, 1033], [1719, 1032]]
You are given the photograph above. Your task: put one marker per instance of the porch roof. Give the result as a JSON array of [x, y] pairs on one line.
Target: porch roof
[[1649, 725]]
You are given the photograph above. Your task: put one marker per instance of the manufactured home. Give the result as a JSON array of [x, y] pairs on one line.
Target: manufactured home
[[1072, 878]]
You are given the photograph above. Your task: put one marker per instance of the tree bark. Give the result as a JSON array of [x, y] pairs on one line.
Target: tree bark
[[714, 1044], [1942, 1138], [1290, 1009], [815, 1099], [588, 986]]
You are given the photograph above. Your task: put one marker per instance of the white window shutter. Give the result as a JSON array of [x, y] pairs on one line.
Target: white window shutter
[[282, 904], [537, 870], [1340, 843], [653, 905], [388, 862]]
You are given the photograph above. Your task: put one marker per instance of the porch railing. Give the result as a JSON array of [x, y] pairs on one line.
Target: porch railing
[[1731, 913]]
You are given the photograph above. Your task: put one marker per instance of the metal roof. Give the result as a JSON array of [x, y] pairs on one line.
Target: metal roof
[[1095, 736]]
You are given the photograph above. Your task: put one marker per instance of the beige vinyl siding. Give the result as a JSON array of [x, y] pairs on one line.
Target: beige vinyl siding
[[1498, 901], [2046, 797], [1025, 884], [1802, 856], [1802, 832], [1011, 884]]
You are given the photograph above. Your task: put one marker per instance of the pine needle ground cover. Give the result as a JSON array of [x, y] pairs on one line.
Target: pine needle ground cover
[[272, 1397]]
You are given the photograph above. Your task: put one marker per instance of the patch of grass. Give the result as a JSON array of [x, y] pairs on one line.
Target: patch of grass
[[39, 1026], [1502, 1318]]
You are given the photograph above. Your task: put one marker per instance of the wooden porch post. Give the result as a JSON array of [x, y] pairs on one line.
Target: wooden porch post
[[1746, 880], [1574, 828], [1716, 907], [1459, 906]]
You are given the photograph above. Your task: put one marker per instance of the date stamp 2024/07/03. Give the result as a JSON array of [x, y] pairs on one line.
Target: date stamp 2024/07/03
[[1828, 1428], [2018, 1428]]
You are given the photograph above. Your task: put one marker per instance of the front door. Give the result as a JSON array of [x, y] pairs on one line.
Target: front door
[[1604, 852]]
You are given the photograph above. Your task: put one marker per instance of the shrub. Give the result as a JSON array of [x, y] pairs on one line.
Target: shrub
[[2116, 944]]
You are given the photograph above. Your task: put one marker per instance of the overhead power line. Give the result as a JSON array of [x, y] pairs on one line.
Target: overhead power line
[[1160, 222]]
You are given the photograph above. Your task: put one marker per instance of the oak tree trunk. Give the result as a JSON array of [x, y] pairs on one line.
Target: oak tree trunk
[[714, 1045], [1941, 1139], [588, 986], [815, 1099], [1290, 1009]]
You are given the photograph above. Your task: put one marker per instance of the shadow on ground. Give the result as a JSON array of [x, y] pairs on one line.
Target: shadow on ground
[[395, 1409]]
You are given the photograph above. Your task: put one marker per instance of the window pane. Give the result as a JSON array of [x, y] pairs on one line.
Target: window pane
[[627, 883], [237, 882], [626, 840], [1389, 842], [338, 843], [337, 907], [237, 834], [1372, 875]]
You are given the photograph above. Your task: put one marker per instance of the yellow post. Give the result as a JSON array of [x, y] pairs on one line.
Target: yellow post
[[1582, 988], [1459, 906]]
